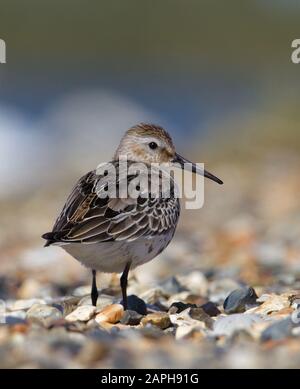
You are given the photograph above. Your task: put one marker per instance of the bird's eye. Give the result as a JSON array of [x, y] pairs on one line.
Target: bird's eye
[[153, 145]]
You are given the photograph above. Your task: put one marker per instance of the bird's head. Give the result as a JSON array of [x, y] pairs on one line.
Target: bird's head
[[150, 143]]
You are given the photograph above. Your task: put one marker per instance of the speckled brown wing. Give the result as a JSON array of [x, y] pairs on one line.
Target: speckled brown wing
[[88, 217]]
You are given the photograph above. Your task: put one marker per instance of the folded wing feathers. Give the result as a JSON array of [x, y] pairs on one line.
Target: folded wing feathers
[[88, 218]]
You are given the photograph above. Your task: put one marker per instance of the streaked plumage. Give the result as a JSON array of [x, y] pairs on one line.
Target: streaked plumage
[[109, 233]]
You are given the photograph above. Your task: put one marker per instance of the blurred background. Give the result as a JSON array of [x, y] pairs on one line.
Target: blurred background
[[217, 75]]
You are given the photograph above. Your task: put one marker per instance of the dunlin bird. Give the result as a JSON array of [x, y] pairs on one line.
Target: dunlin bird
[[113, 234]]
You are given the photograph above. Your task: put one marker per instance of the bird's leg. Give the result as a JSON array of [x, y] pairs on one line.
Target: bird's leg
[[123, 282], [94, 291]]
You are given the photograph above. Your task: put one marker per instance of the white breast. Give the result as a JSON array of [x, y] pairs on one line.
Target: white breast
[[111, 257]]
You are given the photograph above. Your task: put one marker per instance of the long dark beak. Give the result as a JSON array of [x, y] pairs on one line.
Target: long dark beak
[[192, 167]]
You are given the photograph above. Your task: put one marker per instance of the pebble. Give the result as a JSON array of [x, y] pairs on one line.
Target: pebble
[[278, 330], [136, 304], [131, 318], [66, 305], [158, 319], [43, 314], [81, 313], [183, 327], [272, 303], [179, 306], [200, 315], [228, 325], [20, 305], [110, 314], [239, 300], [211, 309], [192, 317]]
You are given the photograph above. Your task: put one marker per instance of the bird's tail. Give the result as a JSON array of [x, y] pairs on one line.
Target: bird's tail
[[49, 237]]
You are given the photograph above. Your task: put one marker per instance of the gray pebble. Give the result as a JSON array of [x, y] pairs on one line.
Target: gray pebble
[[131, 318], [239, 299], [228, 325], [278, 330], [43, 314]]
